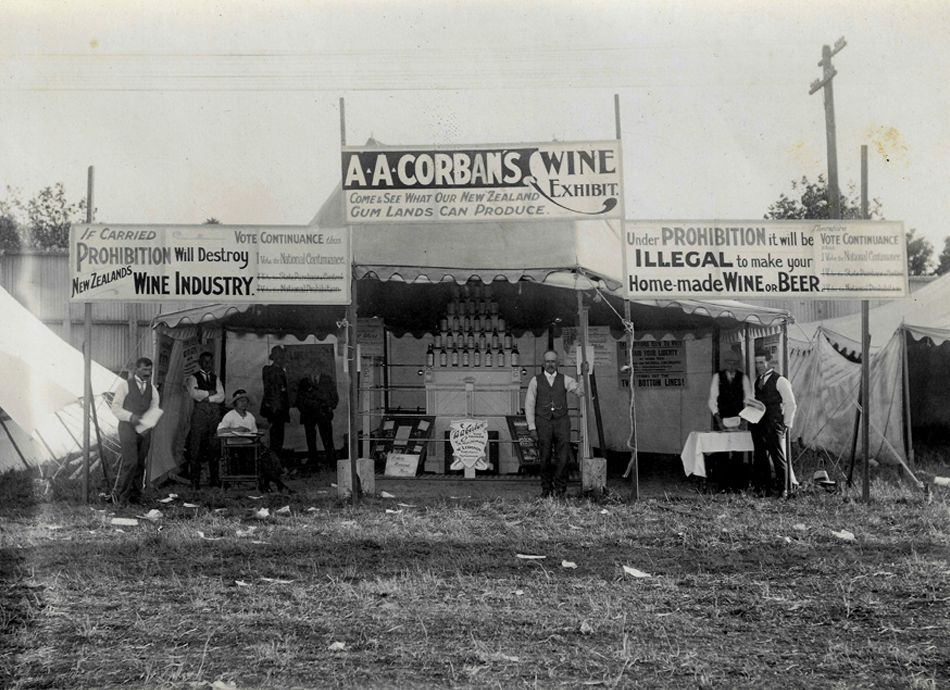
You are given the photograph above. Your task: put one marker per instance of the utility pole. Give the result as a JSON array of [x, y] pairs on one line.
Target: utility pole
[[828, 73]]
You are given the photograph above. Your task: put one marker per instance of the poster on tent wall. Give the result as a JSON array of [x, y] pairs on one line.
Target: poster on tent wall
[[306, 360], [210, 263], [765, 259], [481, 182], [656, 363]]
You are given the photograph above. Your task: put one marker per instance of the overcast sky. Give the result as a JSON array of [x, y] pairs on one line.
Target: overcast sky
[[231, 109]]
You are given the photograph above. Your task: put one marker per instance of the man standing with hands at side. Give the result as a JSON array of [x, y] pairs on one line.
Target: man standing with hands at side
[[545, 407], [207, 393], [134, 397], [275, 403], [768, 435]]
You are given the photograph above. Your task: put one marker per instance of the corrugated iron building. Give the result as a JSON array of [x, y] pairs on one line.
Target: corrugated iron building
[[120, 330]]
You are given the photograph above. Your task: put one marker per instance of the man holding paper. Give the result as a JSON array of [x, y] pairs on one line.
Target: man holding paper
[[135, 405], [774, 392]]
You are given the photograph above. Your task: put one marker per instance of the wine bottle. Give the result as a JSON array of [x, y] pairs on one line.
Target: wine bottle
[[465, 357], [455, 356], [430, 356], [477, 358], [515, 356], [500, 359], [443, 357], [488, 358]]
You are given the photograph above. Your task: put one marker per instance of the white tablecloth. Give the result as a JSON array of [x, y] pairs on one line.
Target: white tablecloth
[[700, 442]]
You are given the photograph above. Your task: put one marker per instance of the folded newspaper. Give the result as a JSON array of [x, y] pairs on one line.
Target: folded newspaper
[[148, 420], [753, 411]]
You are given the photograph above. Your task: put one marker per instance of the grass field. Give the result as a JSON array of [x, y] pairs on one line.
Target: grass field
[[427, 590]]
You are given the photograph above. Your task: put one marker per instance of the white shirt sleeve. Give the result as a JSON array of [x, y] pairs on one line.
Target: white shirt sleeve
[[789, 405], [573, 386], [218, 392], [530, 398], [747, 389], [713, 401], [122, 390], [191, 385]]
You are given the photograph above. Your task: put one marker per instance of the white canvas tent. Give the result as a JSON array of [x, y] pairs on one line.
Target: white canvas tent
[[910, 361], [41, 390]]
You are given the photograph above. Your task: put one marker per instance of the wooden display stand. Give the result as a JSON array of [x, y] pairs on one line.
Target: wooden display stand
[[402, 434], [480, 393]]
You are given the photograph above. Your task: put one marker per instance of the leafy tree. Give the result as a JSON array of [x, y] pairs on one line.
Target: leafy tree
[[809, 201], [919, 254], [10, 239], [49, 216], [211, 221], [943, 261]]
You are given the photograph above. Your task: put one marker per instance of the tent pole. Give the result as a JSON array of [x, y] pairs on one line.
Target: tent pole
[[633, 468], [865, 401], [352, 355], [865, 351], [102, 455], [788, 432], [87, 353], [582, 322], [15, 446], [909, 441]]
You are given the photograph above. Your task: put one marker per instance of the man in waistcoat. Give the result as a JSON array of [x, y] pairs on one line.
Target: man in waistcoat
[[768, 436], [134, 397], [545, 407], [207, 393], [727, 392]]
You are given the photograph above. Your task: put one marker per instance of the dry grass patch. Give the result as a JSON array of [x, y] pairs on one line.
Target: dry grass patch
[[741, 592]]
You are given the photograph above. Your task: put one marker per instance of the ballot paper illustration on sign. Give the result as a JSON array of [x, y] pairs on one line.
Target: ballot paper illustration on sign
[[753, 410]]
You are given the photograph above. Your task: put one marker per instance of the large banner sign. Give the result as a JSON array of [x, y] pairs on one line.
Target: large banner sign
[[482, 183], [282, 264], [766, 259]]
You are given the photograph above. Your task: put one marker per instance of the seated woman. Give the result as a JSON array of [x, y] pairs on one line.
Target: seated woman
[[240, 421]]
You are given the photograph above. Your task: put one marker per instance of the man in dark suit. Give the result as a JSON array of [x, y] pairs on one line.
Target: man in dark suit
[[275, 402]]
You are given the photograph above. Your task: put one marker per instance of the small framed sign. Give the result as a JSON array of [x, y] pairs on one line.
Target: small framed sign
[[402, 464]]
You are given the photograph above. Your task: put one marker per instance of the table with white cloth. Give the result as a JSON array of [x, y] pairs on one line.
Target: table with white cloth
[[701, 442]]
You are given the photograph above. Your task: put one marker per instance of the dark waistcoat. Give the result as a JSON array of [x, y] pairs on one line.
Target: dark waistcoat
[[730, 399], [551, 402]]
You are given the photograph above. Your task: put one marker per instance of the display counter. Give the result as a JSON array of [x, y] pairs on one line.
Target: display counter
[[458, 393]]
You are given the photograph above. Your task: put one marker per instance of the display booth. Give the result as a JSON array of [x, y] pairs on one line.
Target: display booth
[[521, 282]]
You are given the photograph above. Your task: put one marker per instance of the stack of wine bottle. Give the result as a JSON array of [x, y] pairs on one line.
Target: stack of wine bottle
[[471, 334]]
